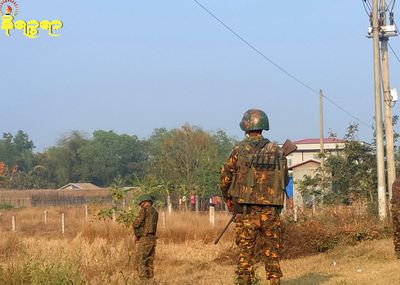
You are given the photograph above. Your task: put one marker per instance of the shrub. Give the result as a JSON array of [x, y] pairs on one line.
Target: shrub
[[6, 206], [38, 272]]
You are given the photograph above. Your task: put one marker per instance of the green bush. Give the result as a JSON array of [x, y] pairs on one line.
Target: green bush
[[6, 206], [35, 273]]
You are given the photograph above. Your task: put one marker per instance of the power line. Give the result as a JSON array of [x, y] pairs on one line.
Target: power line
[[366, 8], [393, 2], [277, 65], [256, 50], [398, 59]]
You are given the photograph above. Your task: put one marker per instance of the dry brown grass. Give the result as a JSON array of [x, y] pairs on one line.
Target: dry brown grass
[[99, 252]]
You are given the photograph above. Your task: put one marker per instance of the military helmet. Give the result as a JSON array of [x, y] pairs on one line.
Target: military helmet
[[254, 120], [144, 197]]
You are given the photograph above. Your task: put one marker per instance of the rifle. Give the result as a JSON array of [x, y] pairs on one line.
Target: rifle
[[287, 148], [226, 227]]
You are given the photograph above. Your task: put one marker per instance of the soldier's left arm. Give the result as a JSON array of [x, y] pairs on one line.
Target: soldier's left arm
[[139, 219], [227, 172]]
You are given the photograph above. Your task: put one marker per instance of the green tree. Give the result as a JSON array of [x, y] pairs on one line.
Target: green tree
[[108, 155], [63, 161], [17, 151], [187, 159]]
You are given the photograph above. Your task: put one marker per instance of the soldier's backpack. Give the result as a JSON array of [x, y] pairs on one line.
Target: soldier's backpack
[[261, 173]]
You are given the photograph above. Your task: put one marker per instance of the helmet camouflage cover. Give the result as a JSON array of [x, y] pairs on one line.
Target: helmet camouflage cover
[[144, 197], [254, 120]]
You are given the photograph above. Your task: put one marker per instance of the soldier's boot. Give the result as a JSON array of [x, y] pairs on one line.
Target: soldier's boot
[[275, 281]]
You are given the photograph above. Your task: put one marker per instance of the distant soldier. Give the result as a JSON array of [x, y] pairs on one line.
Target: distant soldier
[[252, 182], [145, 229], [396, 216]]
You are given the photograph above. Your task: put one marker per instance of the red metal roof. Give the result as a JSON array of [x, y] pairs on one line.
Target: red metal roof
[[316, 141]]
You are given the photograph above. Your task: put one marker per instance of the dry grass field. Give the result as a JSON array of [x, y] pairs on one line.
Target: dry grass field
[[100, 252]]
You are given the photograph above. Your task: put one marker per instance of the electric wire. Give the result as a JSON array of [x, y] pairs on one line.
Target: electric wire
[[395, 54], [367, 10], [277, 65], [392, 2], [369, 5], [397, 30]]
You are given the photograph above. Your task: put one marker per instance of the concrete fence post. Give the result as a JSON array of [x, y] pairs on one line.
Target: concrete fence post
[[212, 215], [86, 212], [45, 217], [63, 223], [164, 219], [13, 223], [197, 203], [114, 218]]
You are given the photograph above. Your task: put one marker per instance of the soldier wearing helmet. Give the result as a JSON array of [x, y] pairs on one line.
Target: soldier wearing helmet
[[145, 229], [252, 182]]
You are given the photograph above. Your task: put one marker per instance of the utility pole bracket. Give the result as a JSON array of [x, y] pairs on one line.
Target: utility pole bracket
[[385, 32]]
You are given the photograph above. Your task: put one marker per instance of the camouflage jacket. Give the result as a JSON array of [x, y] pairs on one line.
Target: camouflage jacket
[[145, 222], [255, 173]]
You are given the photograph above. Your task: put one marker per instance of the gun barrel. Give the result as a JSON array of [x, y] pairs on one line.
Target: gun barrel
[[225, 228]]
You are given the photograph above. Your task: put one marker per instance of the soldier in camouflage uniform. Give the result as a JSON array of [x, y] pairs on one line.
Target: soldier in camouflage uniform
[[145, 229], [396, 216], [252, 183]]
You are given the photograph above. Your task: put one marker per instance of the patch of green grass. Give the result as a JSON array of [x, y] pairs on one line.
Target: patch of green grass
[[6, 206], [40, 272]]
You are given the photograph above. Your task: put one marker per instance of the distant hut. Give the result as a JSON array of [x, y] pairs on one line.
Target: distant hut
[[80, 186]]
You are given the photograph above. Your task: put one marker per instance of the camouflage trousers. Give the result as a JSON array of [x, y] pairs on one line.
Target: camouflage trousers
[[145, 256], [260, 224], [396, 228]]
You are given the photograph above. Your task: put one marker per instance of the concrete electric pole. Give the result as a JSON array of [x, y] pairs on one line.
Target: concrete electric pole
[[321, 138], [378, 114], [387, 100]]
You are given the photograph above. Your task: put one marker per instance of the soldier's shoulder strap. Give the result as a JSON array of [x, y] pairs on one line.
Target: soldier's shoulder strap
[[258, 148], [262, 143]]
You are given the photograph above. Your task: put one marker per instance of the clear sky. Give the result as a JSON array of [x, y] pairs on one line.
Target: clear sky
[[133, 66]]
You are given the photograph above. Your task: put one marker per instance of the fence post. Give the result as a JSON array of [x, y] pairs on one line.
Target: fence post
[[45, 217], [114, 218], [164, 220], [13, 223], [197, 203], [212, 216], [86, 212], [63, 223]]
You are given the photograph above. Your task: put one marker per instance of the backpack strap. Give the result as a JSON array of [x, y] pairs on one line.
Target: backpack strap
[[259, 146]]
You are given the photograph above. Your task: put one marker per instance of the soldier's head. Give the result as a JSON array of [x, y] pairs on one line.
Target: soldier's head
[[254, 121], [144, 200]]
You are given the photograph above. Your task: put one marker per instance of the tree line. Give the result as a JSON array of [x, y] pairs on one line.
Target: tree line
[[184, 160], [177, 161]]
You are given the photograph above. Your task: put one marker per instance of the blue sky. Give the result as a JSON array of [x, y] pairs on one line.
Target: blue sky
[[133, 66]]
